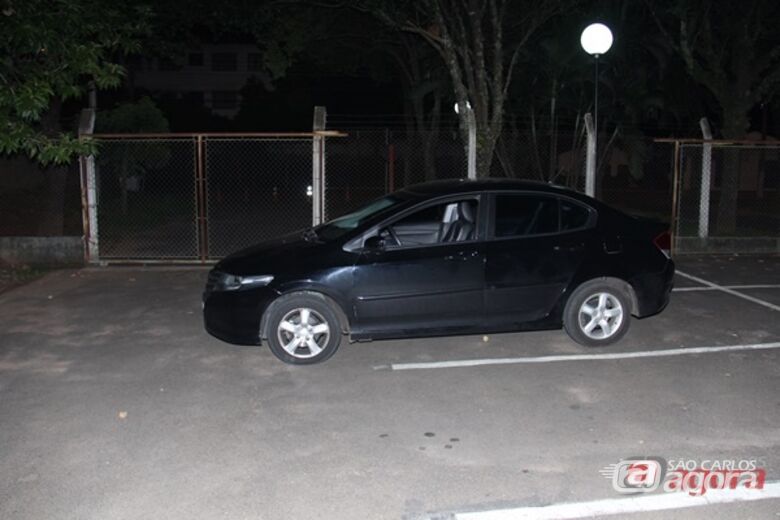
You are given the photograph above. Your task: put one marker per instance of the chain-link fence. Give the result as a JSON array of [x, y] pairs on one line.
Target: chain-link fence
[[557, 157], [146, 198], [634, 173], [728, 197], [635, 176], [366, 164], [257, 188], [198, 197], [201, 197]]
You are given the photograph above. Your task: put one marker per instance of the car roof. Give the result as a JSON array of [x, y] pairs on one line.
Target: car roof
[[455, 186]]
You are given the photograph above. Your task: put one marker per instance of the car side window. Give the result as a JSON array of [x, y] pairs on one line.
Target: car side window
[[517, 215], [573, 216], [452, 221]]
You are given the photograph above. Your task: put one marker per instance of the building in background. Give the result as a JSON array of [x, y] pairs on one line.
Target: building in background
[[211, 76]]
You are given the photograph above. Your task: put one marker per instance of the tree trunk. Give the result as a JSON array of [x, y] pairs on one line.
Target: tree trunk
[[734, 124], [486, 145], [536, 147], [553, 154], [428, 136]]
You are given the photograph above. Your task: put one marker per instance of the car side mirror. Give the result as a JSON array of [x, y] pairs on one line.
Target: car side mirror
[[374, 243]]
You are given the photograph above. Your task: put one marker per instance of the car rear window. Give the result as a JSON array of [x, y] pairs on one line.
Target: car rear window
[[573, 216], [522, 215]]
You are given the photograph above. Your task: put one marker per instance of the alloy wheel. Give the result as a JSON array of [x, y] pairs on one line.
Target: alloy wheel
[[600, 316], [303, 333]]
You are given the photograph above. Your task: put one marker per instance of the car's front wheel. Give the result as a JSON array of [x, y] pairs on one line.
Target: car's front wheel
[[598, 313], [303, 329]]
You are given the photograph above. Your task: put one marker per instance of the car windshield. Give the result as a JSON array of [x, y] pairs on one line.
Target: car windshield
[[338, 227]]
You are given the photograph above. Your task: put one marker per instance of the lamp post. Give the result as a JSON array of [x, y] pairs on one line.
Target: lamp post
[[471, 122], [596, 40]]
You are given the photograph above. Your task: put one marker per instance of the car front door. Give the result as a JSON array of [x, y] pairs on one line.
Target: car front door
[[428, 277], [537, 244]]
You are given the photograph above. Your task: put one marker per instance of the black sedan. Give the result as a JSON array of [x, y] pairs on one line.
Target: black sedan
[[448, 257]]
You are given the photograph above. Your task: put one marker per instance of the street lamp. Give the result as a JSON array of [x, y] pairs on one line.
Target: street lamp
[[471, 122], [596, 40]]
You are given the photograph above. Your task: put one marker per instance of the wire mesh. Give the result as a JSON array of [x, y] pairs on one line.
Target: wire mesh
[[370, 163], [635, 176], [146, 198], [257, 188], [728, 198], [204, 197]]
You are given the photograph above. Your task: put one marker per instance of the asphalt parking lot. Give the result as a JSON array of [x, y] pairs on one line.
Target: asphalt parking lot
[[114, 403]]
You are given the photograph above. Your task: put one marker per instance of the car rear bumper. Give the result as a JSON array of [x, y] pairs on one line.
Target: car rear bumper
[[653, 290], [234, 316]]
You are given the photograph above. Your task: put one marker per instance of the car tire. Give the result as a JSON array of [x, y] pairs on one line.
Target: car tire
[[598, 312], [303, 329]]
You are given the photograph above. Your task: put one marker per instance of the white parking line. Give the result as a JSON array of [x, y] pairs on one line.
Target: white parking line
[[577, 357], [617, 506], [743, 287], [729, 291]]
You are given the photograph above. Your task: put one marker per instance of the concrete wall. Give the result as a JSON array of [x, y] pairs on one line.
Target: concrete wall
[[729, 245], [42, 250]]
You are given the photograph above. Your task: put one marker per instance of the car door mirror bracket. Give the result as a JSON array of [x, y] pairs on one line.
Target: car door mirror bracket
[[374, 243]]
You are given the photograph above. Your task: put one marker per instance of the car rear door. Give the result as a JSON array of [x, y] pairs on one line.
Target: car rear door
[[534, 250], [423, 285]]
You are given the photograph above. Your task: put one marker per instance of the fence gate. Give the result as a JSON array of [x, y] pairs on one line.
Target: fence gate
[[198, 197], [727, 197]]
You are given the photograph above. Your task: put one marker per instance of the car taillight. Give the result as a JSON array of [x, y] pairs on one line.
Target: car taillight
[[664, 243]]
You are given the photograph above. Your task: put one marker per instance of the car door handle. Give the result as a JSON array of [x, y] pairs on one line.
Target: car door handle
[[569, 249], [461, 256]]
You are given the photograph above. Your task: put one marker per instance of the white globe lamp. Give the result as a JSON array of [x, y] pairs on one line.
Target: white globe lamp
[[596, 39]]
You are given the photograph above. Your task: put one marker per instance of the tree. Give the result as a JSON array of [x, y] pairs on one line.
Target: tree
[[392, 55], [282, 29], [54, 50], [732, 49], [132, 159], [423, 82], [552, 88], [479, 42], [425, 86]]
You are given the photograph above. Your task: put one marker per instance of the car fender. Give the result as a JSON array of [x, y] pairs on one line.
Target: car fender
[[611, 266], [338, 299]]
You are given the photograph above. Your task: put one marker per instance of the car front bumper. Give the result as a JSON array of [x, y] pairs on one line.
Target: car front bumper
[[235, 316]]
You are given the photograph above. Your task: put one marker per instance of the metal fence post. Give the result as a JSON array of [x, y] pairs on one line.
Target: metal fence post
[[590, 157], [706, 176], [472, 156], [318, 167], [676, 179], [201, 199], [89, 191]]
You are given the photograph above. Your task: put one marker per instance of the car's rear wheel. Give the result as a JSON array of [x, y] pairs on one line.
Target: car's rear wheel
[[303, 329], [598, 313]]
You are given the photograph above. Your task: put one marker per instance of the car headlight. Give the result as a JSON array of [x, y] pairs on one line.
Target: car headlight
[[231, 282]]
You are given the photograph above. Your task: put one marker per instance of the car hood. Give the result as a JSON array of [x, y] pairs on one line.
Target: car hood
[[272, 256]]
